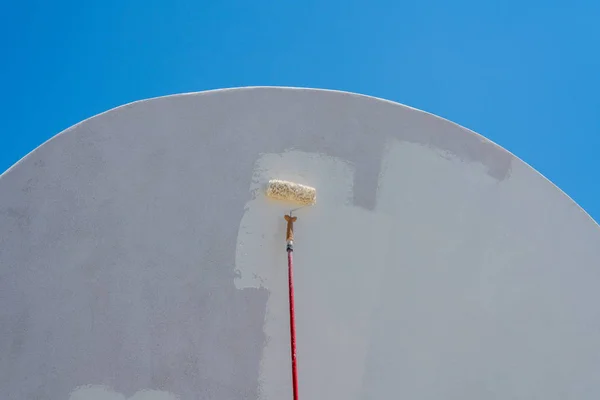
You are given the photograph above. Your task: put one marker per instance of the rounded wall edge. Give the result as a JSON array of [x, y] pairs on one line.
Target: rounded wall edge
[[218, 91]]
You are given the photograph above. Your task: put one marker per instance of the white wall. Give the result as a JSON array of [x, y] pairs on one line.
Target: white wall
[[139, 257]]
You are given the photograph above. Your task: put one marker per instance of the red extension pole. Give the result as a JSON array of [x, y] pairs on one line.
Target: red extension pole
[[289, 237], [292, 323]]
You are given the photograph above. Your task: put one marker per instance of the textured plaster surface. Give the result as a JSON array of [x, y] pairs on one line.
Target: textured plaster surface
[[139, 258]]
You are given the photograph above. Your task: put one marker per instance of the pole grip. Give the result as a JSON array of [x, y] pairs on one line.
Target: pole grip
[[289, 232]]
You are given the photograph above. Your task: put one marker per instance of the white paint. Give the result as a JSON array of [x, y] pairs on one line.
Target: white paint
[[100, 392], [342, 255], [471, 304], [427, 281], [424, 300], [339, 255]]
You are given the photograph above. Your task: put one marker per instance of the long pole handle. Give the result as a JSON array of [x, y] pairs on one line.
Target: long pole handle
[[292, 322]]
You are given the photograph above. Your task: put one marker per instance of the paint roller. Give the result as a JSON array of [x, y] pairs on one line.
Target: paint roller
[[303, 196]]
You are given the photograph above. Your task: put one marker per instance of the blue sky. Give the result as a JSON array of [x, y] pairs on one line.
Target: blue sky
[[525, 74]]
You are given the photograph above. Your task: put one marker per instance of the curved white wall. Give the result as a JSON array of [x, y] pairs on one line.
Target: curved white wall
[[139, 258]]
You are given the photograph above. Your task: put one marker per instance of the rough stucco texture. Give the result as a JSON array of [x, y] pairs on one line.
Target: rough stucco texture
[[140, 259]]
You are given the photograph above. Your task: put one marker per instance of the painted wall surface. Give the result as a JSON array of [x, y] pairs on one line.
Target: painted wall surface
[[140, 260]]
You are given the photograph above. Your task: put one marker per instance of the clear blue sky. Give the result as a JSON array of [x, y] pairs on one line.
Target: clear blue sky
[[525, 74]]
